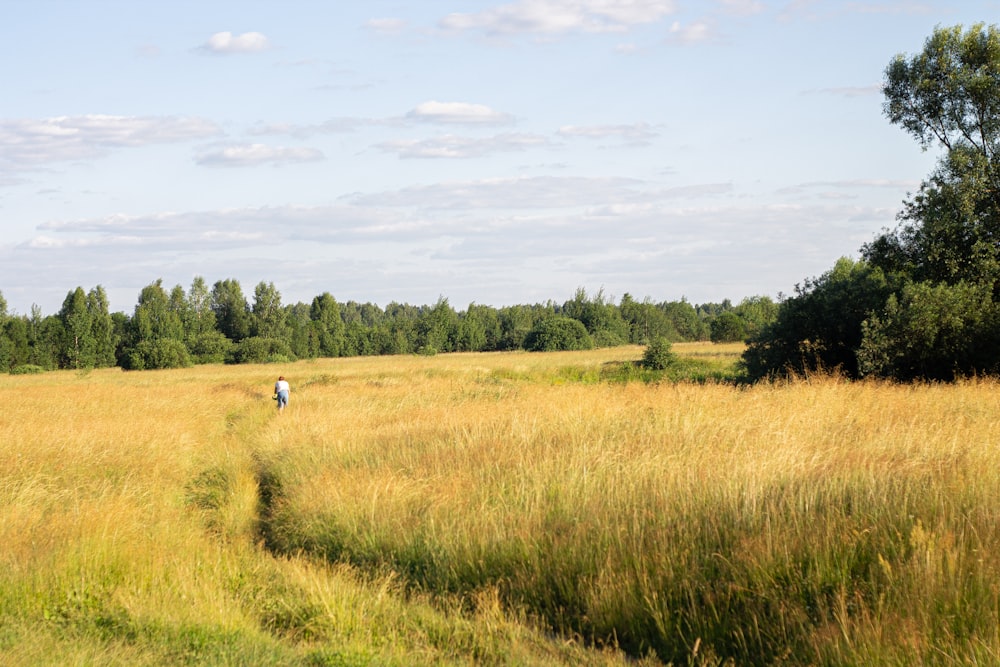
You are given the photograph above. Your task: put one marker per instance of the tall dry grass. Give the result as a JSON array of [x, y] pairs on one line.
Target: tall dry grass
[[130, 516], [452, 509], [832, 522]]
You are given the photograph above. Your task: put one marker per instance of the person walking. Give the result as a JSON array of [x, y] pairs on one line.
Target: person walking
[[281, 389]]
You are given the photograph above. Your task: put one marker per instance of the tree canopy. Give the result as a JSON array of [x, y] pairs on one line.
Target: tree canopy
[[923, 300]]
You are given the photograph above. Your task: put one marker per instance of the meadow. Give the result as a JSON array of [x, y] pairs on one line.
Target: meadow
[[503, 509]]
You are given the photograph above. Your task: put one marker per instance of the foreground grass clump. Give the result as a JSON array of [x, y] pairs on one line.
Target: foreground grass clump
[[496, 509]]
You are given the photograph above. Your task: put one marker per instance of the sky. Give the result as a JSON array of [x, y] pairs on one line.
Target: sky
[[495, 152]]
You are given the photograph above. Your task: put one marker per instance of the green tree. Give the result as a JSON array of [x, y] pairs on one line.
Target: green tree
[[756, 312], [357, 340], [948, 95], [659, 355], [302, 336], [478, 329], [727, 327], [102, 328], [601, 318], [686, 320], [258, 350], [558, 332], [77, 324], [14, 340], [923, 302], [206, 344], [437, 328], [232, 313], [936, 332], [327, 324], [200, 318], [819, 328], [156, 332], [267, 315], [516, 323], [6, 344], [156, 316], [47, 339], [646, 322]]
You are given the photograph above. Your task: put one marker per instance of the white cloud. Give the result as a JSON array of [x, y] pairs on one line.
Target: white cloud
[[450, 146], [742, 7], [252, 155], [386, 26], [492, 241], [561, 16], [226, 42], [541, 192], [636, 134], [461, 113], [332, 126], [699, 31], [28, 142]]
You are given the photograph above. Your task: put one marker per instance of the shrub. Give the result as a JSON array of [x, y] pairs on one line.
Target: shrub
[[932, 332], [727, 327], [158, 353], [558, 333], [259, 350], [210, 347], [658, 355], [26, 369]]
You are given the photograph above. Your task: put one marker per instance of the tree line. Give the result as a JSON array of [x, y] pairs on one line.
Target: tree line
[[174, 327]]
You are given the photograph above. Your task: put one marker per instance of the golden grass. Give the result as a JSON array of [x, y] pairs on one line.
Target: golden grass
[[447, 509]]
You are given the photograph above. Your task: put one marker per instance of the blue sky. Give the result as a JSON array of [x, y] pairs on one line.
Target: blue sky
[[497, 152]]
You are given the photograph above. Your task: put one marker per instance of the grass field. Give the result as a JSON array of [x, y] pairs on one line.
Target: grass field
[[496, 509]]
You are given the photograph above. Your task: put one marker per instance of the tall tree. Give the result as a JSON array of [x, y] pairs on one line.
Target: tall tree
[[199, 308], [157, 332], [232, 314], [601, 317], [6, 344], [328, 325], [268, 317], [437, 327], [78, 349], [928, 287], [646, 322], [154, 317], [948, 95], [102, 327]]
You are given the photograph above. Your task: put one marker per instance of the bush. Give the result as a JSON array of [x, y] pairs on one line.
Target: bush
[[659, 355], [727, 327], [932, 332], [211, 347], [820, 327], [158, 353], [26, 369], [259, 350], [557, 333]]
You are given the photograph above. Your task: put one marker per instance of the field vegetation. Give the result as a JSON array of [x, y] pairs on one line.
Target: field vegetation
[[497, 508]]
